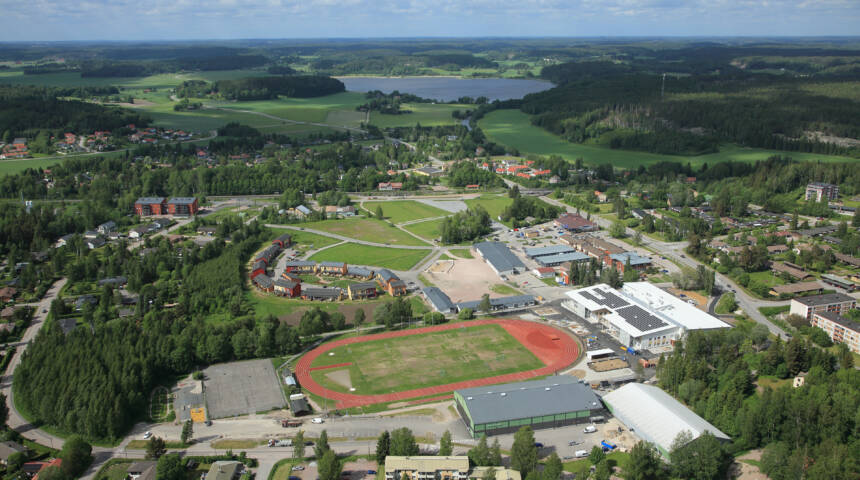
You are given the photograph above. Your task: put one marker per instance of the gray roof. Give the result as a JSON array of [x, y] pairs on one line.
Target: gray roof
[[258, 264], [826, 299], [387, 275], [264, 281], [181, 200], [67, 324], [321, 292], [120, 280], [8, 448], [562, 257], [363, 286], [332, 264], [150, 200], [551, 250], [108, 224], [500, 303], [300, 263], [286, 237], [299, 405], [499, 256], [839, 319], [303, 209], [358, 271], [284, 283], [535, 398], [440, 301], [634, 258]]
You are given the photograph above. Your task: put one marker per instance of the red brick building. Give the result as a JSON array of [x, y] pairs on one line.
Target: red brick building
[[182, 206], [147, 206]]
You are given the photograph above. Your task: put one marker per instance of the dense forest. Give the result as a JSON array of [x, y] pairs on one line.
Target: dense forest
[[465, 226], [262, 88], [39, 113], [807, 432]]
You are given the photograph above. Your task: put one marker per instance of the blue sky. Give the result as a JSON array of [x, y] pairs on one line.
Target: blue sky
[[49, 20]]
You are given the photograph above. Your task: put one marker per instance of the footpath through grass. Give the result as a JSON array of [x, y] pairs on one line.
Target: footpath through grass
[[367, 229], [514, 129], [399, 211], [423, 360], [353, 253]]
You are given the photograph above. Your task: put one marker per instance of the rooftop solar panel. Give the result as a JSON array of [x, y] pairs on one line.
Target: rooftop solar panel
[[640, 318]]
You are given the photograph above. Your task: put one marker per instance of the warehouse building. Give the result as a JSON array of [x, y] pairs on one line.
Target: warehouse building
[[561, 258], [438, 300], [500, 258], [497, 304], [547, 403], [536, 252], [640, 315], [655, 416]]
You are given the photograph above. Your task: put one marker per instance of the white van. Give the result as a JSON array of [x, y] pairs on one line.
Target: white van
[[581, 454], [590, 429], [317, 420]]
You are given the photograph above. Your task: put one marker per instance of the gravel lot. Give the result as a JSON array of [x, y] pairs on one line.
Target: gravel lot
[[242, 388]]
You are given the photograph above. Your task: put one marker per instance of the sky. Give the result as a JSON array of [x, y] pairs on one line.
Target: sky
[[73, 20]]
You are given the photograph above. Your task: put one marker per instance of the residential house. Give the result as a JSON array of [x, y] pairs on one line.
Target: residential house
[[57, 462], [182, 206], [8, 448], [774, 249], [332, 268], [287, 288], [322, 293], [107, 227], [291, 277], [544, 272], [638, 213], [7, 294], [426, 468], [138, 232], [299, 212], [6, 314], [390, 282], [64, 240], [300, 266], [207, 231], [94, 243], [818, 190], [67, 325], [359, 272], [268, 254], [805, 288], [264, 283], [115, 282], [389, 186], [357, 291], [225, 470], [257, 268], [90, 234], [794, 271], [144, 470]]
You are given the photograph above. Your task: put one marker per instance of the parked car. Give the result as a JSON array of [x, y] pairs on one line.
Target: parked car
[[297, 468], [538, 445], [317, 420], [371, 472], [573, 443], [581, 454], [147, 435], [590, 429]]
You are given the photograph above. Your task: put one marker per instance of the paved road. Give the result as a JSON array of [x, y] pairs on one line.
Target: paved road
[[16, 421]]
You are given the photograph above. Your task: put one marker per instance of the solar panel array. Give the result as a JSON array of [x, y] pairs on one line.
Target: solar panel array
[[609, 299], [640, 318]]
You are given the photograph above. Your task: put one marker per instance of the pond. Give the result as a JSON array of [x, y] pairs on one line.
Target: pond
[[446, 89]]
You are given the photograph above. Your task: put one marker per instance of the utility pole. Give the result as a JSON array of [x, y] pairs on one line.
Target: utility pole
[[663, 87]]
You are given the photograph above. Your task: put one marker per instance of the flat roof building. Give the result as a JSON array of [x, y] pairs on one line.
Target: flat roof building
[[838, 303], [840, 329], [504, 303], [499, 257], [556, 260], [547, 403], [438, 300], [427, 467], [655, 416], [547, 251]]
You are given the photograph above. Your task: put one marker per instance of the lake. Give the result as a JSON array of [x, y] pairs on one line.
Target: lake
[[446, 89]]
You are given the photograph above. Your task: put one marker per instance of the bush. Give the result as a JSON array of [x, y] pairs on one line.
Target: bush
[[466, 314]]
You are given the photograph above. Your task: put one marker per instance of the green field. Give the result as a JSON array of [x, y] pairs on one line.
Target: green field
[[513, 129], [305, 240], [429, 229], [416, 361], [427, 114], [353, 253], [505, 289], [399, 211], [462, 252], [493, 204], [367, 229], [14, 166], [160, 81]]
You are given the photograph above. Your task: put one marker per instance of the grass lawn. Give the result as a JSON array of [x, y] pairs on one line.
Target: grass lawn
[[237, 444], [505, 289], [513, 128], [436, 358], [400, 211], [115, 469], [367, 229], [429, 229], [305, 240], [581, 467], [725, 304], [767, 277], [427, 114], [18, 165], [773, 382], [493, 204], [353, 253], [462, 252], [282, 469]]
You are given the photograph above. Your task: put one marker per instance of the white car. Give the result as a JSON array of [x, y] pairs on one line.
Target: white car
[[317, 420], [590, 429], [147, 435]]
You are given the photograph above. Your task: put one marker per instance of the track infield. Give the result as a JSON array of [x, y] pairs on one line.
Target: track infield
[[550, 351]]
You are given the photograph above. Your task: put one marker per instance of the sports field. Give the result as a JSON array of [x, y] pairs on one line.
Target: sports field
[[513, 129], [357, 254], [399, 211], [367, 229], [415, 361], [406, 364]]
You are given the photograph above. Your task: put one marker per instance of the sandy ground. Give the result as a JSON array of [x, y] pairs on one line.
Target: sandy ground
[[701, 301], [465, 280], [340, 377], [744, 471]]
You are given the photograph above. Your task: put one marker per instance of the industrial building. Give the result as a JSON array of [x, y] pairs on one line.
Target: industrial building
[[555, 255], [655, 416], [504, 303], [640, 315], [438, 300], [837, 303], [500, 258], [547, 403]]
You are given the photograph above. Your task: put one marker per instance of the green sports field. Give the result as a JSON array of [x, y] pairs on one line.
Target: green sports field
[[353, 253], [423, 360], [367, 229], [513, 129], [399, 211]]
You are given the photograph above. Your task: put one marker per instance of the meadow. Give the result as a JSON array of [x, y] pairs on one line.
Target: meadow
[[422, 360], [399, 211], [367, 229], [353, 253], [493, 204], [513, 129], [430, 229], [427, 114]]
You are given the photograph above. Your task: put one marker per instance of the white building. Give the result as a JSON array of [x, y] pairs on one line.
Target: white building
[[640, 315]]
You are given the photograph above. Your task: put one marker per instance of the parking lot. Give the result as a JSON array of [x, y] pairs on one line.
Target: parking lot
[[242, 388]]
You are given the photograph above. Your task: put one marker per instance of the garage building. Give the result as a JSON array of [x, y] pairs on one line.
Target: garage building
[[655, 416], [547, 403]]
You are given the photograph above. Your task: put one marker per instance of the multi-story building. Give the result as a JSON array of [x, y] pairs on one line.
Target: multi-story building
[[146, 206], [182, 206], [840, 329], [819, 190], [427, 468], [837, 303]]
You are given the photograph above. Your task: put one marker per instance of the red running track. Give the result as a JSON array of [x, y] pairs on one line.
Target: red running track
[[556, 349]]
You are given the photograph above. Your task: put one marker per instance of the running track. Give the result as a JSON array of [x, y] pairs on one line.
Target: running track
[[556, 349]]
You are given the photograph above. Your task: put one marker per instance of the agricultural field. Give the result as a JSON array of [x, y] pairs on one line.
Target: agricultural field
[[160, 81], [427, 114], [352, 253], [513, 129], [367, 229], [422, 360], [18, 165], [400, 211]]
